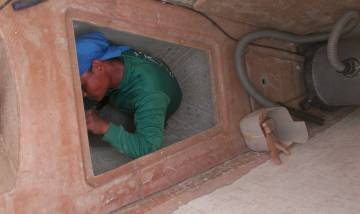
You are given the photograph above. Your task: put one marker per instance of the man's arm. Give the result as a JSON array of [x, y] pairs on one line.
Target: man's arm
[[150, 114]]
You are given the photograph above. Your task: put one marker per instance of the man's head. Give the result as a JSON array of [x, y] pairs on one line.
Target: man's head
[[92, 52]]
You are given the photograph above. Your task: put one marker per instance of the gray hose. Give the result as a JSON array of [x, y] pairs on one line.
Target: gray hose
[[332, 46], [240, 58], [250, 37]]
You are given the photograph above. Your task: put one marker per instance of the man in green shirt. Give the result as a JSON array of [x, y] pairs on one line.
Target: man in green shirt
[[135, 83]]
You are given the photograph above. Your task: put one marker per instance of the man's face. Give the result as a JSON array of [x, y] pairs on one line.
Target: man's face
[[94, 83]]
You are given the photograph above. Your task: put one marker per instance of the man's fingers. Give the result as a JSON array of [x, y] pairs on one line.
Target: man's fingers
[[90, 118], [88, 115], [91, 112], [94, 122]]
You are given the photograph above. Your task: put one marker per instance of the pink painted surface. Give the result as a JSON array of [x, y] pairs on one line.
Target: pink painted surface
[[52, 172]]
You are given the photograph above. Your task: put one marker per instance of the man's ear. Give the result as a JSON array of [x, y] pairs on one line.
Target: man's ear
[[98, 66]]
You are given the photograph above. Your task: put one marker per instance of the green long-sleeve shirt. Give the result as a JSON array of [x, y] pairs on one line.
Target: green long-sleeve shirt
[[151, 92]]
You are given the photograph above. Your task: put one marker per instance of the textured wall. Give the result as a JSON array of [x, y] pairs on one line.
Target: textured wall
[[9, 123], [54, 173], [295, 16]]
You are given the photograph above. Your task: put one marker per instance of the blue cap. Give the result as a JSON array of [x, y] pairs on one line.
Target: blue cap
[[91, 46]]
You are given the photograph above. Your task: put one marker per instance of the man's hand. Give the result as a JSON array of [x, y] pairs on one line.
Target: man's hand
[[95, 124]]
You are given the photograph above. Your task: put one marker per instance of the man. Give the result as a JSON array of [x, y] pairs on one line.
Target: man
[[136, 83]]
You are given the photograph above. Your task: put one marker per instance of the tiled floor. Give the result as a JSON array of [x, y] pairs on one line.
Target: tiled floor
[[320, 177]]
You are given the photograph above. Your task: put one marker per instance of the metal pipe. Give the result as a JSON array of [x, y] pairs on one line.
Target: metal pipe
[[351, 17], [250, 37]]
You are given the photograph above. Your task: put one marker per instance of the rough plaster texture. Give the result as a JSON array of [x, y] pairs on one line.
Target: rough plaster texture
[[322, 176], [9, 124], [280, 81], [295, 16], [172, 198], [54, 172]]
